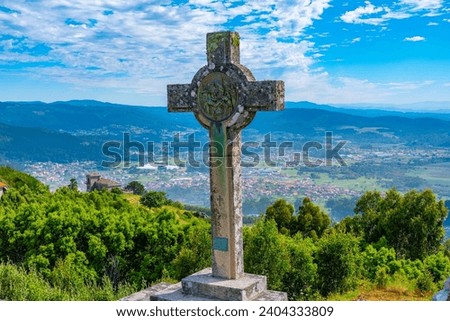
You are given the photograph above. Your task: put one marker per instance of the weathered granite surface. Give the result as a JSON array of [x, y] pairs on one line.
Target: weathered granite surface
[[145, 294]]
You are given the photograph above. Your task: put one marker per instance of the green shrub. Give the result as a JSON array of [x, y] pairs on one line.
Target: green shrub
[[265, 252], [374, 261], [17, 284], [299, 281], [381, 276], [438, 266], [338, 263], [195, 254], [425, 282], [154, 199]]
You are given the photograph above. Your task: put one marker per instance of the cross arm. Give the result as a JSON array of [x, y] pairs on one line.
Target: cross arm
[[267, 95], [179, 98]]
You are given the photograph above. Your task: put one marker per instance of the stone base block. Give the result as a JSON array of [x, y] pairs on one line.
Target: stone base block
[[202, 286]]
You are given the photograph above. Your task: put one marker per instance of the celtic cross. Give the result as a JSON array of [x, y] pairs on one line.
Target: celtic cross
[[224, 97]]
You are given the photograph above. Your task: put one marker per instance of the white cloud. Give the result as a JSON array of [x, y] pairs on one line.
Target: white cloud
[[427, 8], [414, 39], [433, 24], [372, 15], [294, 16], [323, 88], [360, 15], [396, 14], [377, 15], [418, 5], [137, 47], [409, 85], [141, 44]]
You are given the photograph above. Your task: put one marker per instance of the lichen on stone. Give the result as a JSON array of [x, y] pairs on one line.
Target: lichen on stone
[[215, 39], [235, 39]]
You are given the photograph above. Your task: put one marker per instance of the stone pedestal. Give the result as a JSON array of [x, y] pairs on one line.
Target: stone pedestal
[[203, 286]]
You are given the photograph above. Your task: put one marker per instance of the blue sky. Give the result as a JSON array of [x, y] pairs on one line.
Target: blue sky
[[327, 51]]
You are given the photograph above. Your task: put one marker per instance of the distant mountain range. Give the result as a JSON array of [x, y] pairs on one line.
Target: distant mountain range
[[386, 110], [75, 130], [421, 107]]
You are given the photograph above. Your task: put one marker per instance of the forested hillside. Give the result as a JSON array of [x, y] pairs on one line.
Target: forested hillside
[[103, 245], [72, 239]]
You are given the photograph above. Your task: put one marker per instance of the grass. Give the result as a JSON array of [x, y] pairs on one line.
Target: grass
[[433, 173], [133, 199], [390, 293], [359, 184], [393, 293], [18, 284], [396, 290]]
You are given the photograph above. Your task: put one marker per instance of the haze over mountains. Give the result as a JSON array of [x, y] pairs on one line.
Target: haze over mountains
[[75, 130], [420, 110], [419, 107]]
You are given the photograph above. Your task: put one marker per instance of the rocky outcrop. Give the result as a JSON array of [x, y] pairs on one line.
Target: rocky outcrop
[[443, 295]]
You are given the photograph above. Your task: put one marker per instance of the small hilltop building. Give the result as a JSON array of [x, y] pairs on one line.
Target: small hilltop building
[[94, 181]]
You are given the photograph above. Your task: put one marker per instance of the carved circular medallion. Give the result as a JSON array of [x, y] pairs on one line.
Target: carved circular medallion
[[217, 96]]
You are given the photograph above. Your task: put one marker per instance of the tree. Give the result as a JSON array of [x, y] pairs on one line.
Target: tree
[[446, 248], [338, 263], [341, 207], [368, 207], [70, 237], [154, 199], [312, 221], [351, 225], [116, 190], [135, 187], [73, 185], [411, 223], [299, 280], [265, 252], [282, 213], [195, 254], [419, 219]]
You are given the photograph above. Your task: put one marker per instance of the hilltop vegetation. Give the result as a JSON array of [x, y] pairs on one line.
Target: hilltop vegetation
[[393, 240], [104, 245], [99, 239], [17, 179]]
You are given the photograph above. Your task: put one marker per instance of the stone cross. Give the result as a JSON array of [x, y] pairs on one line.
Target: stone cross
[[224, 97]]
